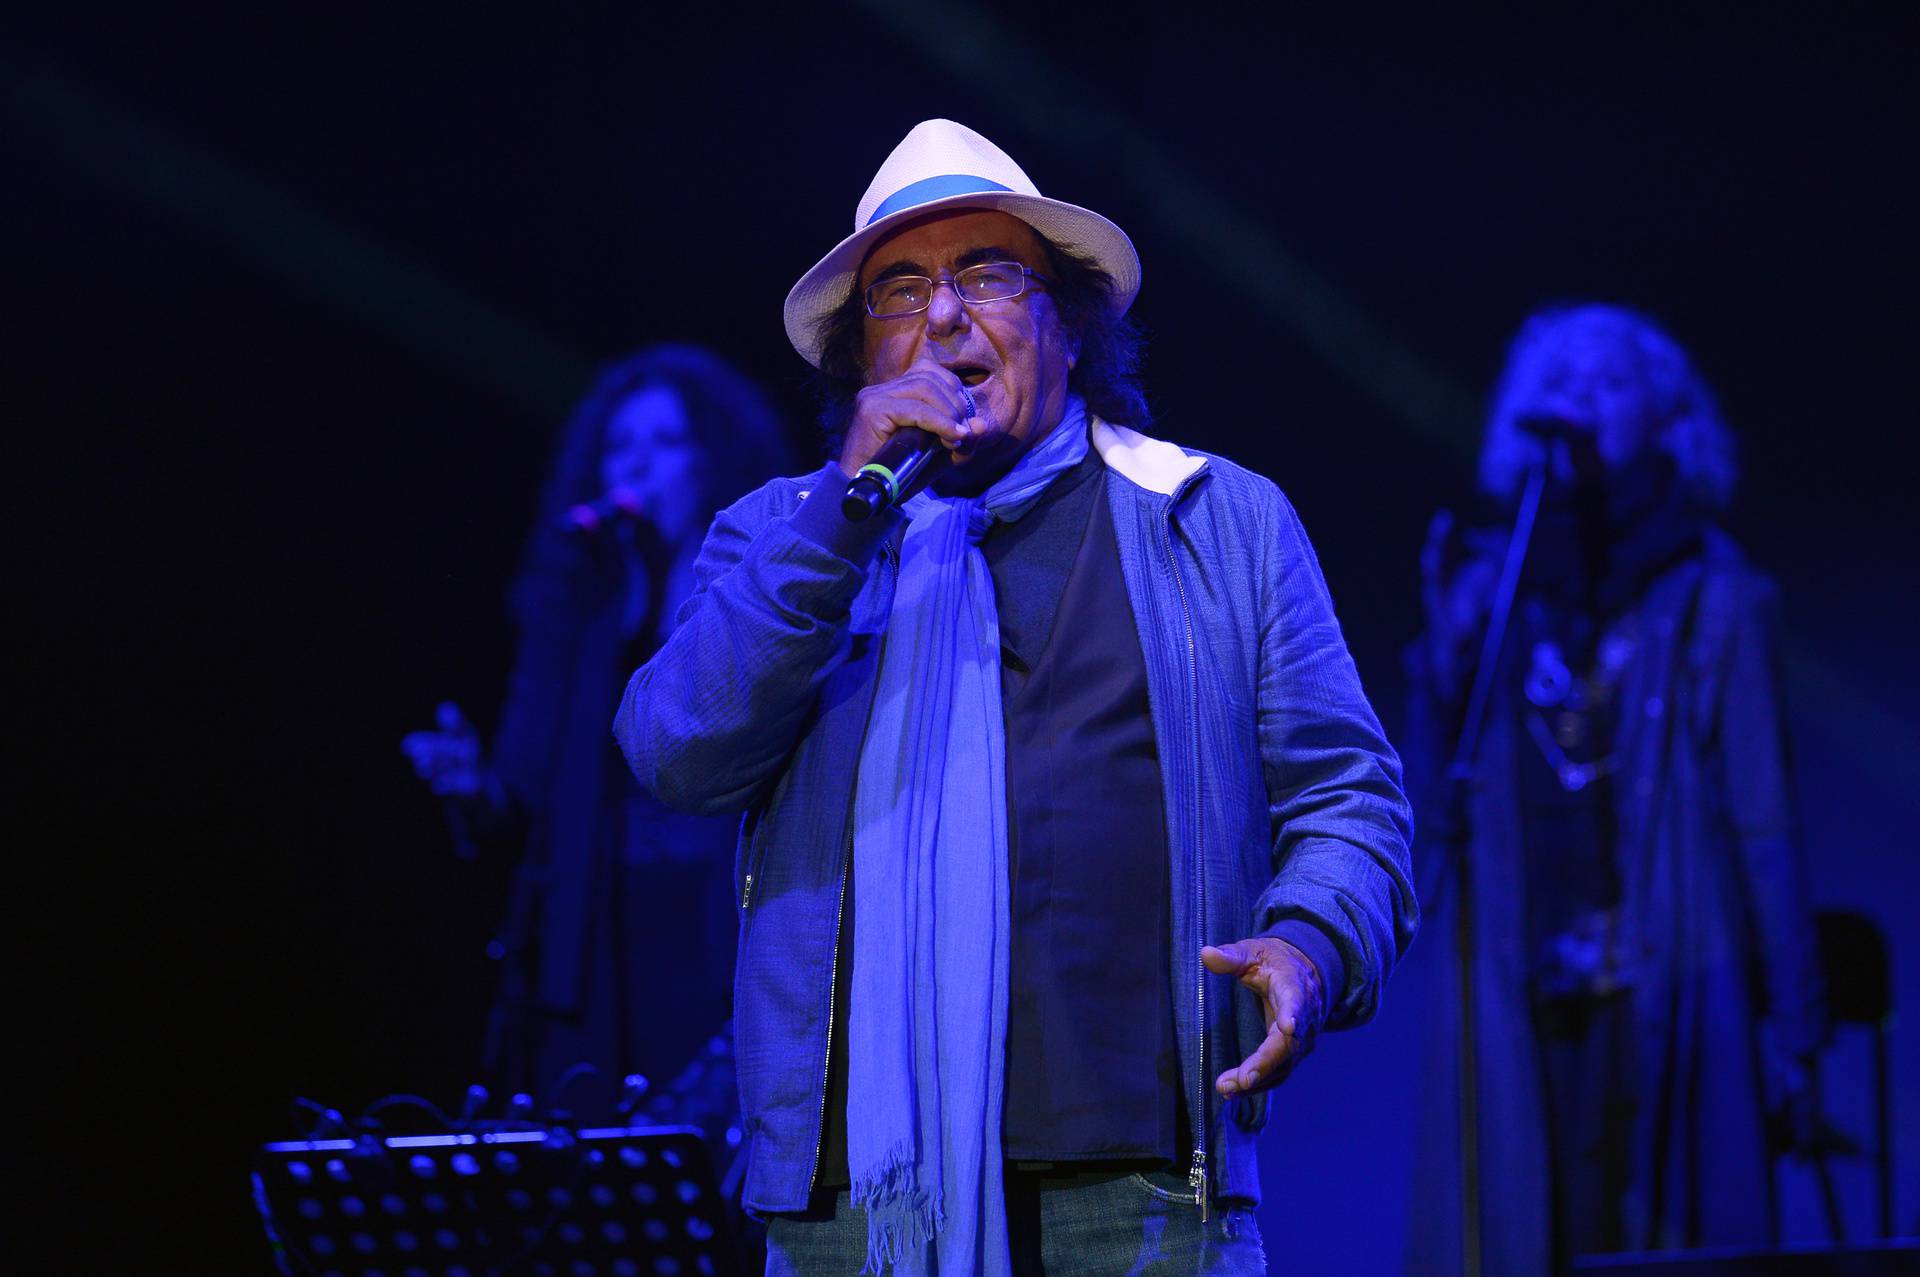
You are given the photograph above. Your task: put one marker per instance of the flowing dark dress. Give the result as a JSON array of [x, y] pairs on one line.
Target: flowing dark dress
[[1713, 928], [618, 945]]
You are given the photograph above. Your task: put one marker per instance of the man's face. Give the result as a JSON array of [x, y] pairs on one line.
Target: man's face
[[1012, 355]]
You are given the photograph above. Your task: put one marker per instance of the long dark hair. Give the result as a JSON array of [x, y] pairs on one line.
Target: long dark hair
[[727, 416], [1106, 374]]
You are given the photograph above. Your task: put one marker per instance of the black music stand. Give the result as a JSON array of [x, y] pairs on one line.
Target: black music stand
[[610, 1202]]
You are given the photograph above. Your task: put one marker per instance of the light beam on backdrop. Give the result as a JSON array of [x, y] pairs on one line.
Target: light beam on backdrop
[[375, 286]]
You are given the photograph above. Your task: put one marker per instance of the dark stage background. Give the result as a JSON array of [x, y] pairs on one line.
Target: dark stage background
[[295, 305]]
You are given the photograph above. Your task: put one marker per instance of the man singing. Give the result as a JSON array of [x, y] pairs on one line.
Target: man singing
[[1067, 824]]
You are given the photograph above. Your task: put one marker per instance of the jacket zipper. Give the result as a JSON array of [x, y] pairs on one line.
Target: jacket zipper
[[846, 863], [1197, 1170], [833, 992], [753, 864]]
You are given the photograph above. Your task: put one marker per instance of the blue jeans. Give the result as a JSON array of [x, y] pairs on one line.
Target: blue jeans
[[1139, 1225]]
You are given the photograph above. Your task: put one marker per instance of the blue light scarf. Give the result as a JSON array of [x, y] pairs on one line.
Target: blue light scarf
[[927, 1025]]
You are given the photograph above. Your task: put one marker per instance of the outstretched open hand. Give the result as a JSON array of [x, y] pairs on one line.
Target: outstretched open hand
[[1292, 998]]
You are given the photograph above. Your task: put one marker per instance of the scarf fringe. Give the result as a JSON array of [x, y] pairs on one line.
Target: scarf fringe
[[900, 1217]]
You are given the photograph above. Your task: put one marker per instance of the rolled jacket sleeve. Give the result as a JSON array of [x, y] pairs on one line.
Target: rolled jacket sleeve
[[1341, 826], [713, 716]]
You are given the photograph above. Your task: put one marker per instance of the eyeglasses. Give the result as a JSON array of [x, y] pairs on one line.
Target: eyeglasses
[[900, 295]]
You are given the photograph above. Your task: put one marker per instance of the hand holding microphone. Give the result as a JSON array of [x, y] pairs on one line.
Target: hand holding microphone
[[904, 431], [1570, 438], [1549, 422], [591, 518]]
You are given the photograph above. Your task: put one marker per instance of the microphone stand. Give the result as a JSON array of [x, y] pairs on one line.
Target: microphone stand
[[1459, 828]]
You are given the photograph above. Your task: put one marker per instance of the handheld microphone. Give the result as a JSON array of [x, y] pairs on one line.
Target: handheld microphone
[[909, 458], [590, 518], [1568, 449], [1553, 425]]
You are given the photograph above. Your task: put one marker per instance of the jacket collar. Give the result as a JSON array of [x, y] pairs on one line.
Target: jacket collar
[[1153, 464]]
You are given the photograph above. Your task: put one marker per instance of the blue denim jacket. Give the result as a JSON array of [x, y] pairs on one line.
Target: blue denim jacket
[[1284, 806]]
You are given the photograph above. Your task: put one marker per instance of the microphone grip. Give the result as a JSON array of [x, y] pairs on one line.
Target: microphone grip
[[1552, 426], [590, 518], [892, 476]]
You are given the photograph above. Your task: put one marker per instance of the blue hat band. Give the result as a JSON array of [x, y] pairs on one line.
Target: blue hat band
[[928, 189]]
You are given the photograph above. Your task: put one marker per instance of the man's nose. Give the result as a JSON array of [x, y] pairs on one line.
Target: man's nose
[[945, 311]]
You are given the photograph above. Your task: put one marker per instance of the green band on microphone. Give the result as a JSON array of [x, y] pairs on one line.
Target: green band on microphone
[[887, 478]]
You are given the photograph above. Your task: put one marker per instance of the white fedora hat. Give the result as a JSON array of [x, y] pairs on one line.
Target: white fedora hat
[[946, 165]]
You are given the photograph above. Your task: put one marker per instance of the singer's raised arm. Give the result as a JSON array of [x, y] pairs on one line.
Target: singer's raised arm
[[777, 606]]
